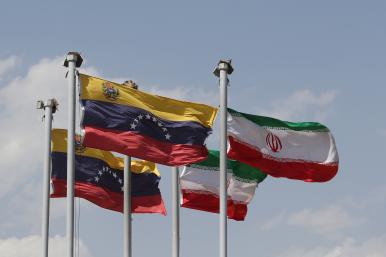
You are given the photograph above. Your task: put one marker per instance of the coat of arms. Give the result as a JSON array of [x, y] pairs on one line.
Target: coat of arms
[[79, 148], [109, 91], [273, 142]]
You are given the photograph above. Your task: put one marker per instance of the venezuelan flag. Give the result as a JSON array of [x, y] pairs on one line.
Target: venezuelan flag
[[99, 178], [155, 128]]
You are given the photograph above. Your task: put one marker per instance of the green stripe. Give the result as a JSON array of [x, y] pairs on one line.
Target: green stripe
[[269, 122], [240, 170], [246, 172]]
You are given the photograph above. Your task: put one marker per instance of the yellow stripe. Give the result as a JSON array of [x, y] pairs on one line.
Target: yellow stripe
[[163, 107], [59, 144]]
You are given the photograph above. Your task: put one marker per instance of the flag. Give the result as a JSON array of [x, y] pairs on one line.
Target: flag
[[99, 178], [200, 186], [304, 150], [155, 128]]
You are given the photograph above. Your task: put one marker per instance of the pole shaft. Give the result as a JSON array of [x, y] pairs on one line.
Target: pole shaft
[[223, 158], [176, 213], [70, 155], [127, 207], [46, 178]]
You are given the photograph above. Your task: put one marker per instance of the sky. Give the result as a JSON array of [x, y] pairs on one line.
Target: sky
[[294, 60]]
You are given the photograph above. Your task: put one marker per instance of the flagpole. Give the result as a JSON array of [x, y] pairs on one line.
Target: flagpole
[[127, 207], [127, 183], [49, 108], [176, 213], [73, 60], [222, 70]]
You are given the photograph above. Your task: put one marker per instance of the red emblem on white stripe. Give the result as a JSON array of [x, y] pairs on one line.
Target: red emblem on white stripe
[[273, 142]]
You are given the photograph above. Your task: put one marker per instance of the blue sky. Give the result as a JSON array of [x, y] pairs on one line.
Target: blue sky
[[295, 60]]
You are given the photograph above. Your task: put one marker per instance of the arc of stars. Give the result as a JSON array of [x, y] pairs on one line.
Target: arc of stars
[[104, 170], [157, 122]]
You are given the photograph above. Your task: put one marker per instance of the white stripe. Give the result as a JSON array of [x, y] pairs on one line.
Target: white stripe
[[297, 145], [208, 180]]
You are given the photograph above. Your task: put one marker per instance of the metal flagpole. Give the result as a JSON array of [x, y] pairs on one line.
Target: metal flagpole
[[73, 60], [49, 108], [222, 70], [127, 207], [127, 236], [176, 213]]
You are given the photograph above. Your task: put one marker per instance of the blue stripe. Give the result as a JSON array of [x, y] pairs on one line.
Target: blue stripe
[[88, 169], [126, 118]]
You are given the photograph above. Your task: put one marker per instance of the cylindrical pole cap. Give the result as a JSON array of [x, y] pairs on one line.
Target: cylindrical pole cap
[[131, 84], [73, 57], [223, 65]]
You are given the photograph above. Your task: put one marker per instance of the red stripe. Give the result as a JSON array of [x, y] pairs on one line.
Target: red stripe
[[306, 171], [210, 203], [108, 199], [143, 147]]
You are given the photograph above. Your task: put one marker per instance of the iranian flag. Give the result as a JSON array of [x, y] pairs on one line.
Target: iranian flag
[[200, 186], [302, 150]]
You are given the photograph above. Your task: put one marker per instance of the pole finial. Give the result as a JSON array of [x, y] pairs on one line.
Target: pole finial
[[52, 103], [131, 84], [73, 57], [223, 65]]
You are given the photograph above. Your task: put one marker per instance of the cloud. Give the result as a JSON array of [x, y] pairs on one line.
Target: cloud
[[22, 134], [373, 247], [30, 246], [381, 132], [273, 222], [325, 221], [7, 64], [22, 129], [302, 105]]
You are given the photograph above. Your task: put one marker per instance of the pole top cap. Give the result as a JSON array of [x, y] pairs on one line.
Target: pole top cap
[[73, 56], [131, 84], [52, 103], [223, 65]]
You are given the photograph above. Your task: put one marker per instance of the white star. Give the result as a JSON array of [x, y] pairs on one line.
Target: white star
[[104, 169], [140, 117], [122, 189], [154, 119], [165, 129], [114, 175], [133, 126], [120, 181], [167, 136], [159, 124], [100, 172], [148, 116], [96, 179], [135, 120]]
